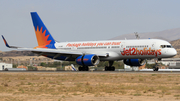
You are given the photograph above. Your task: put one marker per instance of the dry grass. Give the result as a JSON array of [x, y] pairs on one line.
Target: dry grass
[[92, 86]]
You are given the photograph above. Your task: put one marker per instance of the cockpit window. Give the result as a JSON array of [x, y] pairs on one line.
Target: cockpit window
[[166, 46]]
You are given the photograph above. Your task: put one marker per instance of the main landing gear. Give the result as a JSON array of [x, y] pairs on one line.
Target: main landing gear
[[110, 67], [83, 68], [107, 68]]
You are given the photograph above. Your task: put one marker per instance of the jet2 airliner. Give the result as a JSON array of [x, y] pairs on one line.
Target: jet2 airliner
[[90, 53]]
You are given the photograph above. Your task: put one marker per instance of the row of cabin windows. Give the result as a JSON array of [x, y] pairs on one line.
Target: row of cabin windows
[[93, 47], [137, 46]]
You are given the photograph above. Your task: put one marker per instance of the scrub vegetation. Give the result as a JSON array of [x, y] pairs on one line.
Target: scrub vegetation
[[89, 86], [117, 64]]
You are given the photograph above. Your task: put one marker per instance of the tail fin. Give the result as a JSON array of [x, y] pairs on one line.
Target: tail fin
[[44, 38]]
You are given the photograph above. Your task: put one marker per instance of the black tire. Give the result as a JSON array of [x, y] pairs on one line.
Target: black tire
[[110, 68], [6, 69], [83, 69], [80, 68], [154, 68], [106, 68], [157, 69], [113, 68], [86, 68]]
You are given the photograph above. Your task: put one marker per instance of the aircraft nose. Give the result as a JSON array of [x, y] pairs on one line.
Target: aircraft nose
[[173, 52]]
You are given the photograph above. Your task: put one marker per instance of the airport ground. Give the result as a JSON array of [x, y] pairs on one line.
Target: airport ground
[[89, 86]]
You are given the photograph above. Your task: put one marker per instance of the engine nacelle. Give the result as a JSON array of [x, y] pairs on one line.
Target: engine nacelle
[[134, 62], [88, 60]]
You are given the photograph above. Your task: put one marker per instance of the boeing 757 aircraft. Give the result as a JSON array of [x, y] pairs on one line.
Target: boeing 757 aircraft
[[90, 53]]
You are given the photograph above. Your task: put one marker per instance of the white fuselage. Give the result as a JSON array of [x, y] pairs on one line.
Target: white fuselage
[[122, 49]]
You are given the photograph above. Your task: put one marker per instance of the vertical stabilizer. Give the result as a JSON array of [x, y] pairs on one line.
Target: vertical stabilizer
[[44, 38]]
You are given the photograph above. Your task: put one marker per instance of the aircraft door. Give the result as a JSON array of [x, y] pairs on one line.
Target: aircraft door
[[122, 46]]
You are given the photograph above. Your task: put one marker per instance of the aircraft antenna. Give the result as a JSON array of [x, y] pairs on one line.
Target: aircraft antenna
[[136, 34]]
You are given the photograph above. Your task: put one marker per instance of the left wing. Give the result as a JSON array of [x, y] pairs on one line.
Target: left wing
[[7, 45], [53, 53]]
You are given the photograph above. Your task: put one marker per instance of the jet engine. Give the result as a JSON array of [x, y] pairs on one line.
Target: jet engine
[[134, 62], [87, 60]]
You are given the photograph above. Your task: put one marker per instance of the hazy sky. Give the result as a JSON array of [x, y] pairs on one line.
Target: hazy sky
[[81, 20]]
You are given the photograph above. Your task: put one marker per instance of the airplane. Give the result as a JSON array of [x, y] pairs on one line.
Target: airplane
[[89, 53]]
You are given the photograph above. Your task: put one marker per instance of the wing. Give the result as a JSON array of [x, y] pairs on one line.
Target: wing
[[54, 53]]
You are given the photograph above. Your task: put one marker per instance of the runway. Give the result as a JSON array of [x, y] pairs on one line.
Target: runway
[[102, 72]]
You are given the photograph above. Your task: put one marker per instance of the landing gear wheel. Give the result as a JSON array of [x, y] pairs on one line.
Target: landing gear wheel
[[113, 68], [80, 68], [106, 68], [156, 65], [84, 68], [109, 68], [155, 69]]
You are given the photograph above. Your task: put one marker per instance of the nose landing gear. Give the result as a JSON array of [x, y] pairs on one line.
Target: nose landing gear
[[156, 67]]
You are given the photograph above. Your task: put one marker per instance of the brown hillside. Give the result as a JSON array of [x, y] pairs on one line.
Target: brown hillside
[[168, 35], [16, 53], [176, 45]]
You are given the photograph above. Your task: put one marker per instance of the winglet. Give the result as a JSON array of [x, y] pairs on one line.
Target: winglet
[[7, 45]]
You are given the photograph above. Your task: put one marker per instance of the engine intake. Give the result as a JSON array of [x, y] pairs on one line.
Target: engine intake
[[88, 60], [134, 62]]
